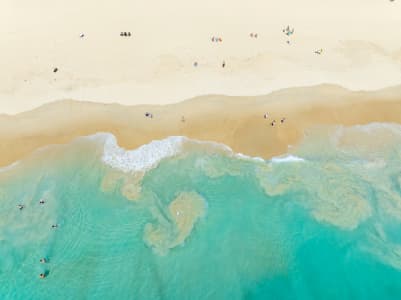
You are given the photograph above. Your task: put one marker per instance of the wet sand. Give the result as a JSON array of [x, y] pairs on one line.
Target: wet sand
[[235, 121]]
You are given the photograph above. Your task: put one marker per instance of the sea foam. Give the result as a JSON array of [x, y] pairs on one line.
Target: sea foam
[[9, 167], [148, 156], [287, 159], [143, 158]]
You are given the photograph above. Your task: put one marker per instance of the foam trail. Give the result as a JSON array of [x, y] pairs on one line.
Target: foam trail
[[143, 158], [148, 156], [287, 159], [9, 167]]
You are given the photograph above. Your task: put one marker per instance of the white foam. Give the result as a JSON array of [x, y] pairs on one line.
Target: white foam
[[287, 159], [150, 155], [370, 128], [374, 126], [246, 157], [9, 167], [143, 158]]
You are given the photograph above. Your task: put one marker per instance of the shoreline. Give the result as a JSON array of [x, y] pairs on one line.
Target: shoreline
[[237, 122]]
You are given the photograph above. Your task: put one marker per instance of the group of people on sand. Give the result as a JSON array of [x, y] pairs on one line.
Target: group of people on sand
[[319, 51], [125, 33], [253, 35], [273, 122], [288, 31], [150, 115], [216, 39], [43, 260]]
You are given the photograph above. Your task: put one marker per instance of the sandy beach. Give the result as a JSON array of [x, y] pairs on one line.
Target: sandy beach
[[171, 55], [235, 121], [155, 65], [206, 149]]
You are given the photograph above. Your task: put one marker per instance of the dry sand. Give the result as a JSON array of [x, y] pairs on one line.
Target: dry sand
[[234, 121], [360, 38]]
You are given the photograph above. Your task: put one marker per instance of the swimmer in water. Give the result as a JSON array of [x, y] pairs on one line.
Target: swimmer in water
[[43, 260], [20, 206], [42, 201], [42, 275], [54, 225]]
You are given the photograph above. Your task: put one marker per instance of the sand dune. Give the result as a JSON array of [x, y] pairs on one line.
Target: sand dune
[[235, 121]]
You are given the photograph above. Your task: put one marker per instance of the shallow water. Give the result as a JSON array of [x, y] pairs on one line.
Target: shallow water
[[204, 223]]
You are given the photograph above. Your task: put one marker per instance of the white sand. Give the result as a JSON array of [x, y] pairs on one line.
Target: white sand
[[360, 38]]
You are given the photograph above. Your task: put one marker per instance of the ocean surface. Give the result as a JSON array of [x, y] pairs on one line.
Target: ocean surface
[[183, 219]]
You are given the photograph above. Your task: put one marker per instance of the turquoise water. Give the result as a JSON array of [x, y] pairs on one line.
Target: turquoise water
[[206, 225]]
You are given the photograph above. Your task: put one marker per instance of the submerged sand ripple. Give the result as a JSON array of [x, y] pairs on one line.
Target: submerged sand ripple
[[333, 196], [128, 184], [173, 228]]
